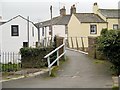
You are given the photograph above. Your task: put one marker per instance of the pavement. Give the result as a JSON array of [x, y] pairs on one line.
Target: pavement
[[79, 71]]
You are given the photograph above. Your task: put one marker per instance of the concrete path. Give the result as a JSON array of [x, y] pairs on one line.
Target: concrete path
[[78, 72]]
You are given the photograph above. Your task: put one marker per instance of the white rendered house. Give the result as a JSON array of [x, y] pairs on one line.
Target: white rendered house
[[16, 33]]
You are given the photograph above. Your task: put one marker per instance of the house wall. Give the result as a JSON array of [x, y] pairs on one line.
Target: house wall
[[59, 30], [111, 22], [78, 29], [14, 43]]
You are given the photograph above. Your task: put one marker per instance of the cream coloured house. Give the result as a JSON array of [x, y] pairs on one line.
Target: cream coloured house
[[90, 24], [109, 15]]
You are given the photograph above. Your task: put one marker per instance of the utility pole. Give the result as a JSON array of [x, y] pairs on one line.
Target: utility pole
[[28, 30], [51, 23]]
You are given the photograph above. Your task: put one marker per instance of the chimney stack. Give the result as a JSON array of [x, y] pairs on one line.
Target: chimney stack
[[63, 11], [73, 9], [95, 8]]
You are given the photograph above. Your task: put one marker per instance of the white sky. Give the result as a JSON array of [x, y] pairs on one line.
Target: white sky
[[38, 10]]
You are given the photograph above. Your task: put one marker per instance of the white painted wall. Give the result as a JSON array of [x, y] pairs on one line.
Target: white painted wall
[[59, 30], [14, 43]]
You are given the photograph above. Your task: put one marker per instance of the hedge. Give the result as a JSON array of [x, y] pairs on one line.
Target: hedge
[[109, 44], [34, 57]]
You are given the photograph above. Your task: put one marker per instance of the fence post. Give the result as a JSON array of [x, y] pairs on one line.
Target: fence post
[[82, 44], [72, 42], [77, 44], [57, 57]]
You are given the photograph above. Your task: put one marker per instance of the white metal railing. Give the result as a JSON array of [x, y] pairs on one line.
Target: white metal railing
[[58, 56]]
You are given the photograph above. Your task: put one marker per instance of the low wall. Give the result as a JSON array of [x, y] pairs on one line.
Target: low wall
[[92, 50]]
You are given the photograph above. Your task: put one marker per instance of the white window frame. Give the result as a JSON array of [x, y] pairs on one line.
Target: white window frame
[[93, 29], [115, 26]]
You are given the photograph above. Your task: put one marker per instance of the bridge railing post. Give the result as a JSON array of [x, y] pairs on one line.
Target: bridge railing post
[[48, 60], [64, 48], [57, 57]]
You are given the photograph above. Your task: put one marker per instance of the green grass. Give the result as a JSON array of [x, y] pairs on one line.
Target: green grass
[[115, 88], [99, 61]]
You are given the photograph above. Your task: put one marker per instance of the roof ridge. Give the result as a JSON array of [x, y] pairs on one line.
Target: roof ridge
[[84, 13], [109, 9], [21, 17]]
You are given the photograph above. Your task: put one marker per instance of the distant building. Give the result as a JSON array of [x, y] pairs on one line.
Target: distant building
[[59, 26]]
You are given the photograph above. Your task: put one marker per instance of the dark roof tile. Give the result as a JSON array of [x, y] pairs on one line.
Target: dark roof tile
[[110, 13], [89, 18]]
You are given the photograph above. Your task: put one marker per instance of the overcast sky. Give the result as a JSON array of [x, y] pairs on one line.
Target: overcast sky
[[38, 10]]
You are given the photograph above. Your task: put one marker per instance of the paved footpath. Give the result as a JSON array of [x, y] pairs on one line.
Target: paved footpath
[[78, 72]]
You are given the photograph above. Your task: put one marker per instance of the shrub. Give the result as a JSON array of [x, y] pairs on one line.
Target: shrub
[[34, 57], [10, 67], [109, 44]]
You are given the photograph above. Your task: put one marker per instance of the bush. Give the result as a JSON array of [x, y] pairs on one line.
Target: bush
[[109, 44], [34, 57]]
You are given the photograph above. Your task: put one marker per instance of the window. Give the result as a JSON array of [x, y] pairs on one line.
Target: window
[[14, 30], [50, 30], [25, 44], [66, 29], [93, 29], [43, 31], [33, 31], [115, 26]]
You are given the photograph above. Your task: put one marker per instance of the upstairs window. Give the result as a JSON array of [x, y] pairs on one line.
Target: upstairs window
[[115, 26], [93, 29], [66, 29], [14, 30], [43, 31], [33, 31]]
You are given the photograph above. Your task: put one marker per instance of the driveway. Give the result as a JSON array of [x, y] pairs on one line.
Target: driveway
[[79, 71]]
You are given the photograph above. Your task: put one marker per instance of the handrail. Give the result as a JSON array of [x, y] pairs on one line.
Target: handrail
[[54, 51], [58, 56]]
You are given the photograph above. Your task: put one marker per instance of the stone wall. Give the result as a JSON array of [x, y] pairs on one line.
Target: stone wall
[[92, 50]]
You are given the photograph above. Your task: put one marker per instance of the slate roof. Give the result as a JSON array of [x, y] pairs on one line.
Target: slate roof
[[110, 13], [1, 23], [89, 18], [59, 20]]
